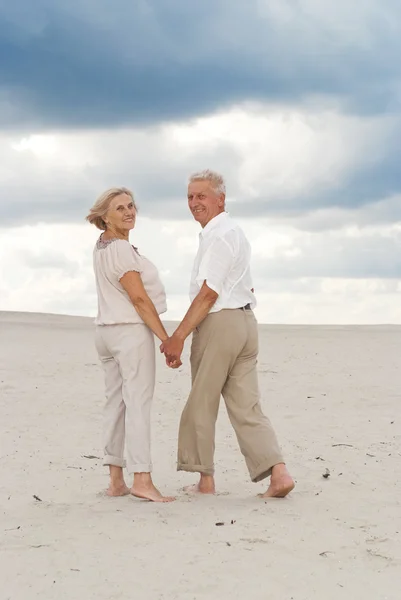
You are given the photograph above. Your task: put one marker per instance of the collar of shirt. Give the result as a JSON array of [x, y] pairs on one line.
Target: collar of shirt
[[213, 223]]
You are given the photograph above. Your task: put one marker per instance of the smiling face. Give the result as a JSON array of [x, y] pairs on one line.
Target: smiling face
[[204, 203], [121, 214]]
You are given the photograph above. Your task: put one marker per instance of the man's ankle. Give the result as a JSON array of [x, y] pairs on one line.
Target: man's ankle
[[279, 468]]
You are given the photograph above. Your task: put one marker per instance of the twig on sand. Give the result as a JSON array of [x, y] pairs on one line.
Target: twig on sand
[[348, 445]]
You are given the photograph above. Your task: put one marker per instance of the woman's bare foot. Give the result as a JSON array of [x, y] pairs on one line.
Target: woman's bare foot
[[281, 483], [117, 485], [150, 493], [144, 488], [117, 490], [205, 485]]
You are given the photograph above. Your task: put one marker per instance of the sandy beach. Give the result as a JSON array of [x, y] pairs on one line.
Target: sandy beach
[[333, 394]]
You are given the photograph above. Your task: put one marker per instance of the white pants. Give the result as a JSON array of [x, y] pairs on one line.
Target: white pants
[[127, 353]]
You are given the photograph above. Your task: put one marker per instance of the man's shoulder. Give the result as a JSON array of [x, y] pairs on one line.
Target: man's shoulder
[[226, 226], [231, 230], [228, 231]]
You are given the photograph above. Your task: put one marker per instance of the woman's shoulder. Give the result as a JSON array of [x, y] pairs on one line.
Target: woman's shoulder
[[117, 250]]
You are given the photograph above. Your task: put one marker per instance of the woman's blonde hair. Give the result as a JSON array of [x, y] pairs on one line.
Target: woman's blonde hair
[[101, 206]]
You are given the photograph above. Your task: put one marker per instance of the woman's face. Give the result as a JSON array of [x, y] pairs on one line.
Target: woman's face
[[121, 214]]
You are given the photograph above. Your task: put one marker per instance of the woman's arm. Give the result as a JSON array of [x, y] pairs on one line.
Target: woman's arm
[[133, 285]]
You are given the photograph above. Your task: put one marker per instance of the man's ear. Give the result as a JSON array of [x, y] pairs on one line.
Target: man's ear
[[222, 200]]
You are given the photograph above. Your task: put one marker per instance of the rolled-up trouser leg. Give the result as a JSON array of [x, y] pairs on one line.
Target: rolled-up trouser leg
[[213, 353], [132, 348], [255, 434]]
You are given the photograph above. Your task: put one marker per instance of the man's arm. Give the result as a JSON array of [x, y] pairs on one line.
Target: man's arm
[[198, 311], [213, 271]]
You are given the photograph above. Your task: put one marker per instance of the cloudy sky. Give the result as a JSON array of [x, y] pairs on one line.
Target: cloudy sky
[[296, 102]]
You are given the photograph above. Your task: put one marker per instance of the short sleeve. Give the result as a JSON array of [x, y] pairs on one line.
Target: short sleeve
[[216, 265], [123, 259]]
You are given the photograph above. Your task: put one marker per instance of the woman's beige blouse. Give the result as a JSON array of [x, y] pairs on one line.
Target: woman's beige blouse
[[111, 260]]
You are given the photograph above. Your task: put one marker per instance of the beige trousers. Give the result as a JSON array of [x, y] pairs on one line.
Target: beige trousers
[[127, 354], [223, 362]]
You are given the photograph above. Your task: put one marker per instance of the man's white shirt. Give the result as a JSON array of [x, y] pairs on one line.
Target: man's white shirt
[[223, 261]]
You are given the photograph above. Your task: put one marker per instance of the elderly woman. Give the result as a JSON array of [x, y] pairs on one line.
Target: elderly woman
[[130, 299]]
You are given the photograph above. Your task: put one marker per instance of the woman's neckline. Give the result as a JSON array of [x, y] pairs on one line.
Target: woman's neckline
[[101, 243]]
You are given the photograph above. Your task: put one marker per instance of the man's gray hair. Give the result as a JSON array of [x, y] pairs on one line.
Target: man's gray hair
[[216, 180]]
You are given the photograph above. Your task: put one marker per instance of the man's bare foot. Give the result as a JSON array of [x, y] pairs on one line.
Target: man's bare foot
[[117, 490], [149, 492], [205, 485], [281, 483]]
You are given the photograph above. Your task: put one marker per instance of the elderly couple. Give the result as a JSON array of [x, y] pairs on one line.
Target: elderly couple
[[224, 346]]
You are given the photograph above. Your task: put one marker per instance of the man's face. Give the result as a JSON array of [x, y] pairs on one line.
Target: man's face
[[203, 202]]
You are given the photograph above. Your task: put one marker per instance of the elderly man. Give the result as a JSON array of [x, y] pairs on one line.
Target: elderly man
[[224, 348]]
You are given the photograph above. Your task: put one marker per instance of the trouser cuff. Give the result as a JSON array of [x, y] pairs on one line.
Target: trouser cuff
[[113, 461], [144, 468], [195, 469], [265, 469]]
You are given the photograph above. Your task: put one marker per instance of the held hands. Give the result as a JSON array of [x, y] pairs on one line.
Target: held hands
[[173, 364], [172, 348]]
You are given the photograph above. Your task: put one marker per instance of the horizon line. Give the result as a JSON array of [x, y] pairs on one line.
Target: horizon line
[[272, 324]]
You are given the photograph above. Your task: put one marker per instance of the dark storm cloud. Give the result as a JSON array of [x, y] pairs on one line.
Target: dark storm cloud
[[93, 63], [371, 188], [97, 63], [368, 256], [55, 195], [366, 190]]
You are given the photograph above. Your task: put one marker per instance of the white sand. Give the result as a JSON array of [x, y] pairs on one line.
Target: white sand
[[331, 539]]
